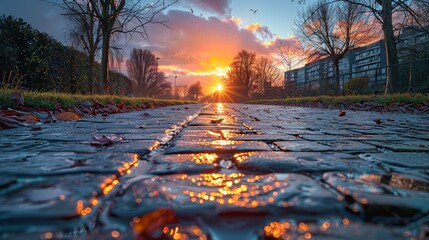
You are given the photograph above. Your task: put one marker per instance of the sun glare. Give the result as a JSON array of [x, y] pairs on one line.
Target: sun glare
[[219, 87]]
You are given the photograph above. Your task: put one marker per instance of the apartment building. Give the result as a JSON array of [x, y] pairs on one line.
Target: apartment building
[[367, 61]]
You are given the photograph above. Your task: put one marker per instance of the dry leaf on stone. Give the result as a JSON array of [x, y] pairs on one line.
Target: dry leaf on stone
[[149, 225], [10, 112], [67, 116], [215, 121], [30, 118], [102, 141]]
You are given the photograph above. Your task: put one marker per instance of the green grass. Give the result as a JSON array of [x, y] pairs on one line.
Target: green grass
[[381, 99], [50, 99]]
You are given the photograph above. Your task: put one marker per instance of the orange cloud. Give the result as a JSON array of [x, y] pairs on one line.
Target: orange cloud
[[199, 48], [253, 27], [196, 48]]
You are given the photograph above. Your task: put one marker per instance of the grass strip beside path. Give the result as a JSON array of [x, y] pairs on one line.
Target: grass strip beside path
[[32, 109], [413, 103], [50, 100]]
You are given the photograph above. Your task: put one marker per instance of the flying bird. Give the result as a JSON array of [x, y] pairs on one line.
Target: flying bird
[[253, 11]]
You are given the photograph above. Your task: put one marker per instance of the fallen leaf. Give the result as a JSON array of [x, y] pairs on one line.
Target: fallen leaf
[[67, 116], [10, 112], [341, 113], [17, 98], [102, 141], [29, 118], [215, 121], [377, 120], [150, 224]]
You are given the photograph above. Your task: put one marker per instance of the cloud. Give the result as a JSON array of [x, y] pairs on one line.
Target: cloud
[[41, 15], [219, 7], [263, 31], [198, 46]]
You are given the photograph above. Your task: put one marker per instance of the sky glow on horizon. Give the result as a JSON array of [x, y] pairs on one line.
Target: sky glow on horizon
[[205, 35]]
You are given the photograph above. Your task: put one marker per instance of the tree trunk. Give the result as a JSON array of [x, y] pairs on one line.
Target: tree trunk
[[390, 46], [337, 76], [104, 71]]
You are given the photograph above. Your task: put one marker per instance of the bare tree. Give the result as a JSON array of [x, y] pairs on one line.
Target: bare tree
[[332, 30], [85, 32], [265, 72], [195, 90], [387, 13], [119, 16], [289, 52], [182, 91], [242, 70], [142, 69]]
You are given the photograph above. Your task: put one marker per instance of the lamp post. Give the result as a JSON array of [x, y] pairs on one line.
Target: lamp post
[[156, 69], [175, 87]]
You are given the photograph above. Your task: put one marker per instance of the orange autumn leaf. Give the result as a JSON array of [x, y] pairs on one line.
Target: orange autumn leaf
[[151, 223], [29, 118], [67, 116]]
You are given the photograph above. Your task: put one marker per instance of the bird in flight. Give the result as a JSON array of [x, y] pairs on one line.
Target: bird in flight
[[253, 11]]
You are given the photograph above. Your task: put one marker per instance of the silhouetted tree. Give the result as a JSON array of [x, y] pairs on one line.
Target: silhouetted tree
[[265, 72], [195, 90], [332, 30], [242, 73], [182, 91], [85, 32], [143, 70]]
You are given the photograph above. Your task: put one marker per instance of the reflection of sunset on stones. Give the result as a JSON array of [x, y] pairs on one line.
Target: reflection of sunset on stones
[[293, 230], [106, 186], [204, 158]]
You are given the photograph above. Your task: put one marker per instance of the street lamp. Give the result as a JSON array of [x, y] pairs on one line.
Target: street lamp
[[175, 87], [156, 69]]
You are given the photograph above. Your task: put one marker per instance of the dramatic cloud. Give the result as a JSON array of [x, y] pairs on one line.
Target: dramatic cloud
[[197, 47], [219, 7], [42, 15], [263, 31]]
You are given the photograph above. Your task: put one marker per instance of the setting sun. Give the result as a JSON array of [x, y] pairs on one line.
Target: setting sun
[[219, 87]]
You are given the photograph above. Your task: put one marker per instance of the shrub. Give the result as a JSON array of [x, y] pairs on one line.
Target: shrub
[[357, 85]]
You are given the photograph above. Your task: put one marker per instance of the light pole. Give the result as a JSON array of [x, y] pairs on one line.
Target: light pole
[[175, 87], [156, 69]]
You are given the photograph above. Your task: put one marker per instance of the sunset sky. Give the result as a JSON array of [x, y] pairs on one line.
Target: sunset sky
[[199, 45]]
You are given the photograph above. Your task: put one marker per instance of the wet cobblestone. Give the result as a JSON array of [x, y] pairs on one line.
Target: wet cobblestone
[[219, 171]]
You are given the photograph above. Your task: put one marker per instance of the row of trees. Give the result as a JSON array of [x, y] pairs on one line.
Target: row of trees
[[42, 63], [249, 74], [97, 22], [331, 28]]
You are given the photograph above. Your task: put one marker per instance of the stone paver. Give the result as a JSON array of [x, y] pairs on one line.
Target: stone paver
[[219, 171]]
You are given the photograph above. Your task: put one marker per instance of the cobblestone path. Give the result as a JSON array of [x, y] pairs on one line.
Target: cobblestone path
[[218, 171]]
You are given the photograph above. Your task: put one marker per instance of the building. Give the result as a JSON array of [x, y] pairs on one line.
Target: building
[[368, 62]]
